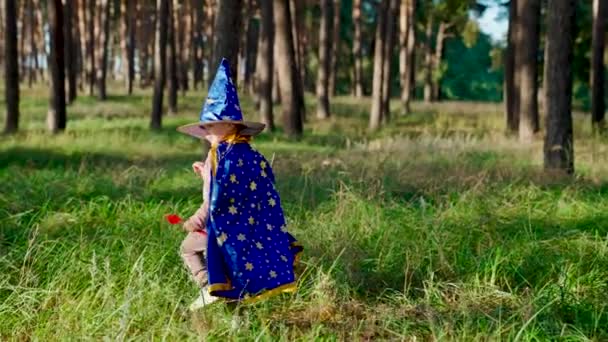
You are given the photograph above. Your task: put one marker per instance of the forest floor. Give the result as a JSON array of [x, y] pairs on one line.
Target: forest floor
[[436, 228]]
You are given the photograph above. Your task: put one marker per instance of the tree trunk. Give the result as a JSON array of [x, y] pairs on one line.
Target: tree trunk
[[56, 117], [21, 41], [392, 13], [375, 117], [162, 24], [428, 62], [437, 59], [335, 48], [129, 13], [357, 55], [198, 32], [91, 45], [70, 55], [526, 66], [40, 34], [406, 53], [324, 61], [276, 92], [104, 37], [11, 67], [300, 33], [287, 72], [210, 17], [559, 150], [227, 33], [265, 64], [33, 69], [184, 43], [171, 60], [251, 51], [598, 105], [511, 89]]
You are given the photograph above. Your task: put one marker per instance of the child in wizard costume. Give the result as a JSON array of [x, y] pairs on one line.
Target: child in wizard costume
[[238, 246]]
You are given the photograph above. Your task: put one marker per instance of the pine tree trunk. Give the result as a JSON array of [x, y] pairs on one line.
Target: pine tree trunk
[[171, 60], [128, 15], [11, 67], [226, 35], [104, 37], [33, 69], [407, 42], [526, 65], [265, 64], [184, 43], [250, 51], [428, 62], [276, 92], [335, 48], [559, 150], [210, 19], [598, 105], [56, 117], [40, 34], [357, 55], [287, 72], [511, 93], [324, 61], [162, 24], [78, 48], [198, 32], [91, 45], [437, 59], [70, 60], [375, 117], [392, 13], [21, 41]]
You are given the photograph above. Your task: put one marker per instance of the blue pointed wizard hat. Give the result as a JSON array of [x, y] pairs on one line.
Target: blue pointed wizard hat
[[222, 106]]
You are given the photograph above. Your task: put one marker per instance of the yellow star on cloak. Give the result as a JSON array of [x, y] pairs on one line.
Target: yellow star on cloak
[[273, 274], [284, 258], [251, 220], [263, 164], [269, 226], [222, 238], [233, 178], [259, 245], [241, 237], [272, 202], [240, 163], [232, 200], [284, 228], [253, 186], [249, 266], [232, 210], [264, 174]]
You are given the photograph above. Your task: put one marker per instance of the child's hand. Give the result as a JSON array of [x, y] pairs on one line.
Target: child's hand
[[198, 168], [190, 227]]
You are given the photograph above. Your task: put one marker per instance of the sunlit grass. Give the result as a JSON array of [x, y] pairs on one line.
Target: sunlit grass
[[437, 227]]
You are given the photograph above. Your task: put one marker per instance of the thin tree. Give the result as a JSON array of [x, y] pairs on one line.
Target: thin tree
[[56, 116], [511, 93], [70, 51], [392, 14], [227, 33], [375, 117], [91, 45], [185, 42], [428, 60], [210, 19], [324, 61], [598, 105], [559, 149], [104, 39], [171, 60], [357, 55], [526, 66], [287, 72], [438, 58], [250, 49], [197, 42], [11, 67], [335, 48], [159, 64], [407, 42], [265, 64], [128, 27]]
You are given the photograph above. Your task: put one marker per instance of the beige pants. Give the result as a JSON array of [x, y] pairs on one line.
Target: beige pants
[[193, 251]]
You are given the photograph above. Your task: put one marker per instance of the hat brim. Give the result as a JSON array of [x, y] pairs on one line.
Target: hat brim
[[247, 127]]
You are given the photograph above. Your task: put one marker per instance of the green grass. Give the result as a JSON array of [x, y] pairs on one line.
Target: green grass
[[436, 228]]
